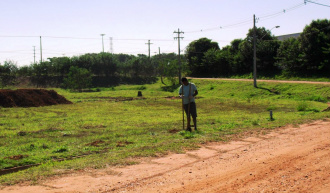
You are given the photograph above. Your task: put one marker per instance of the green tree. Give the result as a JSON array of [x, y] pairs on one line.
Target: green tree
[[123, 67], [266, 46], [314, 41], [289, 57], [108, 63], [61, 65], [170, 72], [231, 59], [195, 53], [8, 73], [138, 65], [24, 71], [167, 67], [211, 62], [266, 57], [326, 60], [78, 79], [40, 73]]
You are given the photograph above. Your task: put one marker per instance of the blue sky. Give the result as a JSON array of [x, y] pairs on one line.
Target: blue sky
[[73, 27]]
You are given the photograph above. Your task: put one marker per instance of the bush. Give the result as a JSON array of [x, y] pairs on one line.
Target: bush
[[78, 79], [302, 106]]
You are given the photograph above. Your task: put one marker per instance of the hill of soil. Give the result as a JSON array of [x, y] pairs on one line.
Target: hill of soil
[[30, 98]]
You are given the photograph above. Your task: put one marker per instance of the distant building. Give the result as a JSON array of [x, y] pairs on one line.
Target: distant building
[[285, 37]]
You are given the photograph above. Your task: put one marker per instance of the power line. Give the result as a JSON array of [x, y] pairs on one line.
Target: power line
[[61, 51], [248, 21], [13, 51], [244, 22], [238, 24], [83, 38], [316, 3], [135, 40], [9, 36]]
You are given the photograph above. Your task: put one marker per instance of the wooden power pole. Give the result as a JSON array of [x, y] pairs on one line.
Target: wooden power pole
[[149, 47], [179, 60], [254, 53]]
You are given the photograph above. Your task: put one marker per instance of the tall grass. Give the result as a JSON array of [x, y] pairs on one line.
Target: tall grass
[[113, 126]]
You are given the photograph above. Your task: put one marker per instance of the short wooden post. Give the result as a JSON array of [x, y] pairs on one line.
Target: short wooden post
[[271, 115]]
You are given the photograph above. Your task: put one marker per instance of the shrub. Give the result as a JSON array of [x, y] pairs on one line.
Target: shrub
[[302, 106], [78, 79]]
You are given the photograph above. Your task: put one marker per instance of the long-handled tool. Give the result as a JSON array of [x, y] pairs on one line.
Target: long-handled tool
[[182, 107], [188, 113]]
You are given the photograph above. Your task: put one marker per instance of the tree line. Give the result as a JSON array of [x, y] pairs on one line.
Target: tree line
[[103, 69], [307, 55]]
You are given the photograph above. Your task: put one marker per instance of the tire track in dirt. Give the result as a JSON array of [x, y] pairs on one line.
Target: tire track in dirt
[[293, 160], [255, 177]]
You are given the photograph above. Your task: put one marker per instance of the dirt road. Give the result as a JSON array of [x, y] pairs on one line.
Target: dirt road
[[261, 80], [291, 159]]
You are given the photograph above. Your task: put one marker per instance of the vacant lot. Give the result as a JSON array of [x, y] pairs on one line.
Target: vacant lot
[[115, 127]]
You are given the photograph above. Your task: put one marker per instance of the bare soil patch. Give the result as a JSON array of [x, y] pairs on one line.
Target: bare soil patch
[[95, 143], [174, 131], [121, 99], [291, 159], [30, 98], [123, 143], [16, 157], [178, 97]]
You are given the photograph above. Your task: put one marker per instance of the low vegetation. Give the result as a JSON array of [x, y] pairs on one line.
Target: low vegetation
[[112, 126]]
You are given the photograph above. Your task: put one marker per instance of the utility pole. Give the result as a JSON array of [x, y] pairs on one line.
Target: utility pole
[[149, 47], [179, 60], [254, 53], [102, 42], [40, 51], [111, 50], [161, 65], [34, 54]]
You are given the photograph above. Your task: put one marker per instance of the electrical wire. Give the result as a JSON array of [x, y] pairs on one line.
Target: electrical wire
[[317, 3], [272, 15], [8, 36], [234, 25], [245, 22]]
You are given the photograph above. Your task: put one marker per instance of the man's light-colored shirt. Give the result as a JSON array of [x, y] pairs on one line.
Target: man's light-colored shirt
[[186, 92]]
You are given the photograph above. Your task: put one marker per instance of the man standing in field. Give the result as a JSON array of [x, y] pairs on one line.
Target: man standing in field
[[187, 92]]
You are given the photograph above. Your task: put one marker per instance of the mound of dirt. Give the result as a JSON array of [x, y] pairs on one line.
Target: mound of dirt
[[30, 98]]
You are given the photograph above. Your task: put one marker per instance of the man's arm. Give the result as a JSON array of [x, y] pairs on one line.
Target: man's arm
[[195, 93]]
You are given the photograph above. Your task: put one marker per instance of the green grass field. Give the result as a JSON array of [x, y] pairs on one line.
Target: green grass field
[[113, 126]]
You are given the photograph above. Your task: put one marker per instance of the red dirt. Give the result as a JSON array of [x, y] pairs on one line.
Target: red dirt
[[123, 143], [30, 98], [291, 159], [95, 143], [16, 157], [261, 80]]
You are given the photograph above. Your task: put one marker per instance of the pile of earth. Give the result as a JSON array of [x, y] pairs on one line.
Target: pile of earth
[[30, 98]]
